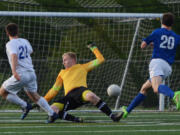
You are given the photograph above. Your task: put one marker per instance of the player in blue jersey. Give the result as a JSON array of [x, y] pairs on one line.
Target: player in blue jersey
[[165, 42]]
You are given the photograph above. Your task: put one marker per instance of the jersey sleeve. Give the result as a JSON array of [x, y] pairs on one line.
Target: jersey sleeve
[[150, 38], [55, 89], [30, 49], [94, 63], [11, 48]]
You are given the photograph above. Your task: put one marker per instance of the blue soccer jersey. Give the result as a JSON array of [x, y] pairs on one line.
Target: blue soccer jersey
[[165, 43]]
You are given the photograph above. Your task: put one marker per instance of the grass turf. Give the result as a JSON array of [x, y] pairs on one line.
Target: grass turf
[[139, 123]]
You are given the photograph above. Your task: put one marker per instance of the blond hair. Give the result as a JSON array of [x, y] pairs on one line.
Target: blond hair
[[70, 54]]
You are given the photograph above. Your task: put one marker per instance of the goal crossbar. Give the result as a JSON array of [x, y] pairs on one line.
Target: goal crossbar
[[80, 14]]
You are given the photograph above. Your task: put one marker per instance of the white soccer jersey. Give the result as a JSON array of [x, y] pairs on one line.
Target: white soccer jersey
[[22, 48]]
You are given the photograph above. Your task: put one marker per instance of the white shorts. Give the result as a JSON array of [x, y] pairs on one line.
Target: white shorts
[[28, 82], [159, 67]]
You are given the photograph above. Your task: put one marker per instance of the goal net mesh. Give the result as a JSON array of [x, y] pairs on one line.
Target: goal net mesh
[[50, 37]]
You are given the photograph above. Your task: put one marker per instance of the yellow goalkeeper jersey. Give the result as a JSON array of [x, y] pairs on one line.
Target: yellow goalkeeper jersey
[[74, 76]]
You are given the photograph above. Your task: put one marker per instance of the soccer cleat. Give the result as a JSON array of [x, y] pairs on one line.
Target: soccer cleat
[[116, 117], [124, 113], [78, 120], [52, 118], [176, 99], [26, 111]]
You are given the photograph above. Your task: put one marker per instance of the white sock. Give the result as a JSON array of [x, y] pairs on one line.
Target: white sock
[[45, 106], [13, 98]]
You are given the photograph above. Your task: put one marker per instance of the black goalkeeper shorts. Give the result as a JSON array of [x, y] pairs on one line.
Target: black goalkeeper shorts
[[73, 99]]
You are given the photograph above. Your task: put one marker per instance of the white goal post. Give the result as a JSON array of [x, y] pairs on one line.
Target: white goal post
[[118, 36], [81, 14]]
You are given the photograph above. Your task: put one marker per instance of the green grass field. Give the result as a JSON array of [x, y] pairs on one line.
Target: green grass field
[[139, 123]]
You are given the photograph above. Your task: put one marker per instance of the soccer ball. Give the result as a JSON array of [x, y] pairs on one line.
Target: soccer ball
[[113, 90]]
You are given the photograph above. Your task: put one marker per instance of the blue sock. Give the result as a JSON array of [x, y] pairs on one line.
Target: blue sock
[[135, 102], [166, 91]]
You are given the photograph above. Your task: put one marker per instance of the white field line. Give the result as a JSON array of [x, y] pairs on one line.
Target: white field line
[[21, 121], [94, 125], [129, 121], [90, 131], [94, 116], [87, 121]]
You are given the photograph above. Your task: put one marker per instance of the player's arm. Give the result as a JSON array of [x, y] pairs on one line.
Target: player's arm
[[12, 50], [94, 63], [14, 60], [143, 44], [148, 40], [55, 89]]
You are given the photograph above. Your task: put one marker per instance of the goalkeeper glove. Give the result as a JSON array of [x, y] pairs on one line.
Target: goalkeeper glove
[[91, 44]]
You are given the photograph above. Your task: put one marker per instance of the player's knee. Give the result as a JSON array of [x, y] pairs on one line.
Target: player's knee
[[85, 95], [57, 107], [3, 93], [34, 96], [35, 100], [89, 96], [143, 90], [92, 98], [155, 89]]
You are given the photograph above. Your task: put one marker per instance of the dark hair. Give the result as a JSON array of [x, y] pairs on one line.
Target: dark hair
[[168, 19], [12, 29]]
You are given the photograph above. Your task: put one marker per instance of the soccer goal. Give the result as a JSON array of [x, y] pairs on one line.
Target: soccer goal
[[117, 35]]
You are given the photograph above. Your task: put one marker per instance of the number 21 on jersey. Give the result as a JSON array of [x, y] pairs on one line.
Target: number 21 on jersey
[[23, 52], [167, 42]]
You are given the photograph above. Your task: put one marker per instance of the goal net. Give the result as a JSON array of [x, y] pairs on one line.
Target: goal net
[[118, 37], [173, 5]]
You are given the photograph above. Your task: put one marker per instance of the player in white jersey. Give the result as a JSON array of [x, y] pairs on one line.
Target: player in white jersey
[[23, 75]]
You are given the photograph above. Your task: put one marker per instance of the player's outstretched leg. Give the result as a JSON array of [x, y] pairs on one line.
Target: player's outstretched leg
[[124, 113], [105, 109], [101, 105], [116, 117], [51, 119], [65, 116], [176, 99], [26, 111], [135, 102], [26, 107], [173, 95], [78, 120]]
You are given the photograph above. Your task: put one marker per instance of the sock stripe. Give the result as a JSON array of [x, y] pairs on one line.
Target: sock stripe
[[104, 107], [64, 115], [66, 106], [101, 105], [111, 115]]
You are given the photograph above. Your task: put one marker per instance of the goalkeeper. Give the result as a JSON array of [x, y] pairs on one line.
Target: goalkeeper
[[73, 78]]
